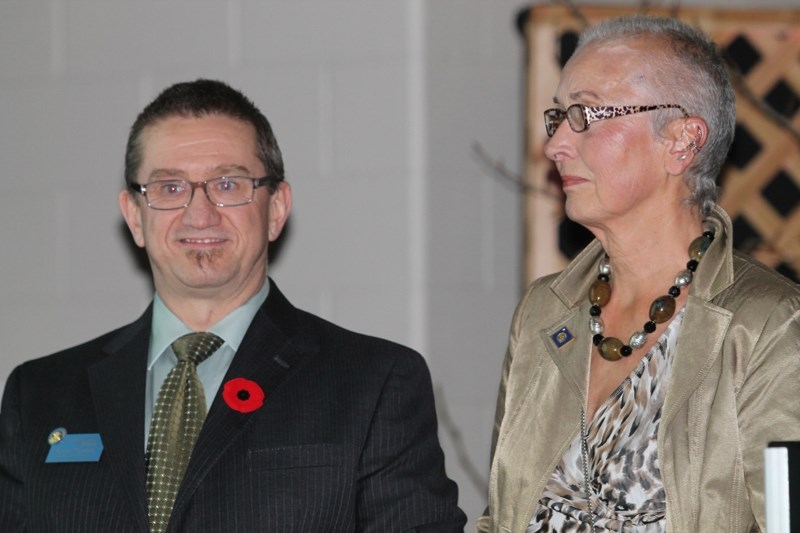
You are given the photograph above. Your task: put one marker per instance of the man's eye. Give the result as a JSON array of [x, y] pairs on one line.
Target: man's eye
[[227, 186], [171, 188]]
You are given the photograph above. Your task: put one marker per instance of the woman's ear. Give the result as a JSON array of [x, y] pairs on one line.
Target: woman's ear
[[686, 141]]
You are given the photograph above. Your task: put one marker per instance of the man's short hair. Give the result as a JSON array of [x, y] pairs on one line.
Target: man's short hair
[[201, 98]]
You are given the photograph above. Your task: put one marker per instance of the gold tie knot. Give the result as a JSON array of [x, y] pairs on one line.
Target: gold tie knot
[[196, 347]]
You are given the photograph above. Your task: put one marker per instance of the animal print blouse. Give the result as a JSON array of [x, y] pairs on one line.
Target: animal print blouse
[[627, 492]]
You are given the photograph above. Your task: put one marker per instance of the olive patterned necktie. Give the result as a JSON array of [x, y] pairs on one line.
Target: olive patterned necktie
[[177, 418]]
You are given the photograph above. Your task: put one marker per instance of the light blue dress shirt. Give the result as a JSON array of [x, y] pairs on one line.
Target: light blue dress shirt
[[167, 327]]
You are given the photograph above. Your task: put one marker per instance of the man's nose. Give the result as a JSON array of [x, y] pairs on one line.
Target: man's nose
[[201, 211]]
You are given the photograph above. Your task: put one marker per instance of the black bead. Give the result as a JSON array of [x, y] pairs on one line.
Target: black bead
[[625, 351], [649, 326], [674, 291], [597, 339], [603, 277], [595, 310], [243, 395], [692, 264], [709, 234]]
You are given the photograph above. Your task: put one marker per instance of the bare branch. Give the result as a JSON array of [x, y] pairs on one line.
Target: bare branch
[[740, 83], [450, 427], [499, 170], [575, 11]]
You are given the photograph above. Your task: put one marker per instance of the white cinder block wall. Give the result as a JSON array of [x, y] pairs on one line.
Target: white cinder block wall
[[397, 230]]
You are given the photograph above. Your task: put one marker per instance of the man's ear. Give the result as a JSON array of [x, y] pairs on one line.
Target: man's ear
[[280, 205], [687, 137], [132, 213]]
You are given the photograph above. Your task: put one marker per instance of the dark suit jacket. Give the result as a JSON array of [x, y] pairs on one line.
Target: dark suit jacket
[[345, 441]]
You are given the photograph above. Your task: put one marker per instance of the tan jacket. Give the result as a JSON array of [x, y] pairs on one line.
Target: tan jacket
[[735, 386]]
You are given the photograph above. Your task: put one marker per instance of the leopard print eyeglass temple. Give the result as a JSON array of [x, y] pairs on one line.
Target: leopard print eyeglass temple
[[580, 116]]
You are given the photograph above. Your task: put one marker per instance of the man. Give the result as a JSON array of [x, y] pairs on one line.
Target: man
[[271, 420]]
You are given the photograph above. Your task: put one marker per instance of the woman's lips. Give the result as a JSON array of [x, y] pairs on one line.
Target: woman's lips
[[570, 181]]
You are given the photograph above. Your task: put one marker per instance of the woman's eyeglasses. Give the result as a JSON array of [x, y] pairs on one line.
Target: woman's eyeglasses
[[580, 116]]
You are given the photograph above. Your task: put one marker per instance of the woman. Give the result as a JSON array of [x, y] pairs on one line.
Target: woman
[[643, 382]]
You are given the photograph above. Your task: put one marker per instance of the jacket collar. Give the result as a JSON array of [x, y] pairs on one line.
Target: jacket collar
[[705, 323], [715, 273], [702, 331]]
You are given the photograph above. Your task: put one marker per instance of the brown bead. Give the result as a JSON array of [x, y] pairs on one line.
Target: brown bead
[[662, 309], [609, 349], [600, 292], [698, 247]]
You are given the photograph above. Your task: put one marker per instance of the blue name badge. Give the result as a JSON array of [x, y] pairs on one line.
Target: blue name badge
[[76, 448]]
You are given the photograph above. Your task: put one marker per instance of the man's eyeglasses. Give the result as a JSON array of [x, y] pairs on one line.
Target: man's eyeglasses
[[225, 191], [580, 116]]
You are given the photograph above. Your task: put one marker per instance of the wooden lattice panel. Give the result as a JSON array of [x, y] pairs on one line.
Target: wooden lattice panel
[[760, 182]]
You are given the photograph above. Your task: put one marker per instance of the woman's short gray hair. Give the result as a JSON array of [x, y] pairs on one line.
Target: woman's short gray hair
[[691, 73]]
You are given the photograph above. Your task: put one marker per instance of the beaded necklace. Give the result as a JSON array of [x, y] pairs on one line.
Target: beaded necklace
[[612, 349], [661, 310]]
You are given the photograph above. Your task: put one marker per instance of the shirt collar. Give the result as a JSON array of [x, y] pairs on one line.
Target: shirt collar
[[166, 326]]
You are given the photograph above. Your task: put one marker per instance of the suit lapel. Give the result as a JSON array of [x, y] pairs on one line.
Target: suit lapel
[[118, 388], [704, 324], [571, 357], [272, 347], [699, 345]]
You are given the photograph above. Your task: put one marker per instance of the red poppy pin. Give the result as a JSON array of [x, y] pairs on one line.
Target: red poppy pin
[[243, 395]]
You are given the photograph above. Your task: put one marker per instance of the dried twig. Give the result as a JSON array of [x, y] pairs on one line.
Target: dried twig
[[499, 170], [575, 11], [451, 428], [741, 87]]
